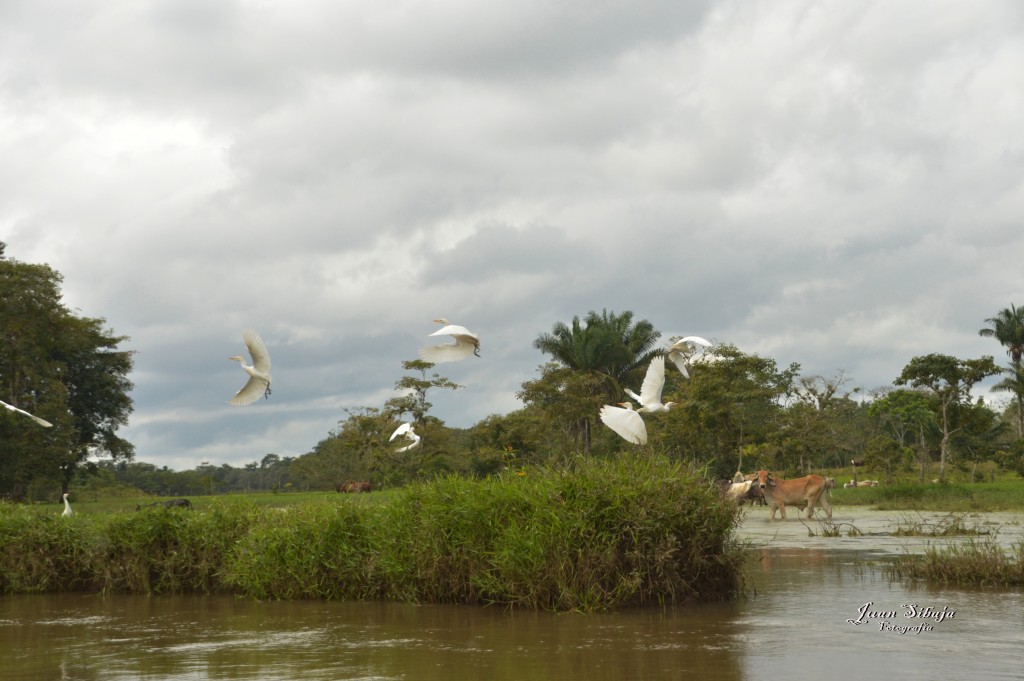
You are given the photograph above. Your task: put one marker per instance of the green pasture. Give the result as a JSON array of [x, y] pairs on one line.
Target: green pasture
[[991, 490], [957, 494], [95, 502]]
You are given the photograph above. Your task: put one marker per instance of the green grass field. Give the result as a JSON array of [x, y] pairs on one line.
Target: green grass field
[[905, 493], [94, 502]]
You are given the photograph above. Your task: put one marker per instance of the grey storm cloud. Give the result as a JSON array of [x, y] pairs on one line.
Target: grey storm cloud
[[829, 183]]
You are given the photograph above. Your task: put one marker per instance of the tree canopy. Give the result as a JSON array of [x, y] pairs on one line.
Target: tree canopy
[[64, 368]]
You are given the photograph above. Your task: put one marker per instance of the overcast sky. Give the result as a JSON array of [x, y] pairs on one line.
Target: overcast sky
[[837, 184]]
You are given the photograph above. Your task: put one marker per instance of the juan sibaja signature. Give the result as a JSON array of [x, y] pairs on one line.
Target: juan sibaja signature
[[886, 618]]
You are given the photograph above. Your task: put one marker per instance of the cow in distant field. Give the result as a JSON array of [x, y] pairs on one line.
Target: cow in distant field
[[170, 503], [810, 489], [352, 487]]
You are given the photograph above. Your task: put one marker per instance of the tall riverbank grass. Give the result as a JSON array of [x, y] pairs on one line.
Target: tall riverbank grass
[[974, 563], [602, 535]]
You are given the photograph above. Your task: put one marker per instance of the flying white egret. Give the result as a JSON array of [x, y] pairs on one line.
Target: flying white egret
[[259, 373], [680, 351], [67, 507], [626, 422], [31, 416], [466, 343], [650, 391], [406, 430]]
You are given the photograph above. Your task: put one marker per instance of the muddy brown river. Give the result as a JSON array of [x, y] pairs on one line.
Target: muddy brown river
[[820, 608]]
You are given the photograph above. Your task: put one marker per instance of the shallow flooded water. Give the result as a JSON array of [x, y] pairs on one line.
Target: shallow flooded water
[[796, 624]]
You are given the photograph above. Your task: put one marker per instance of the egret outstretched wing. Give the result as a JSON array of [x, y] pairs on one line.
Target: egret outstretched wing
[[405, 430], [654, 383], [35, 418], [258, 384], [466, 343], [680, 351], [627, 423]]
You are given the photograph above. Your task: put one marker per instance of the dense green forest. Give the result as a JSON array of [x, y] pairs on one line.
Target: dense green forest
[[735, 410]]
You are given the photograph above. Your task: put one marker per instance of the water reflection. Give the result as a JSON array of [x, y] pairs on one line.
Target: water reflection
[[794, 625], [123, 637]]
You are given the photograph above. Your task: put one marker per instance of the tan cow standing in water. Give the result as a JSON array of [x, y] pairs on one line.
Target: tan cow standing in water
[[812, 489]]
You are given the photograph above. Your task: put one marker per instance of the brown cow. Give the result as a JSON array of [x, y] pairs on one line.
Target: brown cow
[[811, 489], [354, 487]]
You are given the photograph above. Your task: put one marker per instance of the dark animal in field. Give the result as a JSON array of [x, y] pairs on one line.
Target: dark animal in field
[[170, 503], [352, 487]]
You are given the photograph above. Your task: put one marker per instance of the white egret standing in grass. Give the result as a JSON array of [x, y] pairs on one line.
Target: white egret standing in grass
[[626, 422], [466, 343], [259, 373], [650, 391], [67, 507], [680, 351], [406, 430], [38, 420]]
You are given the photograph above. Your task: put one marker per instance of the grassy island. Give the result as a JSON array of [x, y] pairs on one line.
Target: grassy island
[[601, 535]]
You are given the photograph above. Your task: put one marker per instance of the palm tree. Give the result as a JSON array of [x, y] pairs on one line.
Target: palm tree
[[606, 345], [1008, 328], [1014, 383]]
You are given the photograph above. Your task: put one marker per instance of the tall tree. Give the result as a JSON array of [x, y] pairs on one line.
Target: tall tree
[[1007, 327], [64, 368], [981, 436], [607, 346], [950, 380], [730, 402], [414, 401], [1014, 383], [568, 400], [907, 415], [823, 424]]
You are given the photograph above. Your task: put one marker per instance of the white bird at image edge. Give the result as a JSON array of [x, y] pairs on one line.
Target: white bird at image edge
[[258, 384], [466, 343], [680, 351], [626, 422], [406, 430], [38, 420]]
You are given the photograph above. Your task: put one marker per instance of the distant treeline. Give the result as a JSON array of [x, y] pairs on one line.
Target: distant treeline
[[268, 475]]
